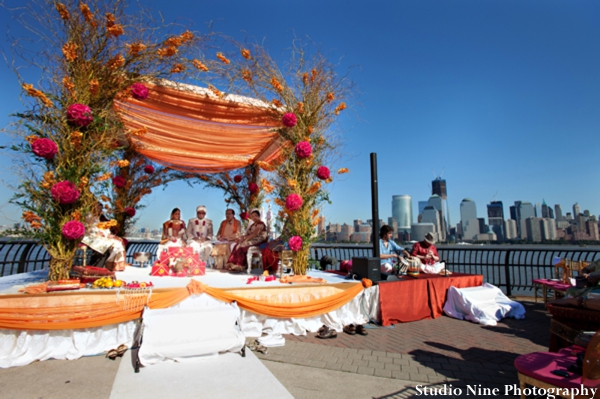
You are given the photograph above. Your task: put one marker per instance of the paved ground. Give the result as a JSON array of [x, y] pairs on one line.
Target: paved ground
[[388, 363]]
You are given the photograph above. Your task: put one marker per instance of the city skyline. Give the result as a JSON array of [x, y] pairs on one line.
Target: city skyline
[[500, 96]]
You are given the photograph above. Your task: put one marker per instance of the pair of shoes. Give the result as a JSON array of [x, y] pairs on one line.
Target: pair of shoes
[[255, 346], [360, 329], [350, 329], [119, 352], [326, 332]]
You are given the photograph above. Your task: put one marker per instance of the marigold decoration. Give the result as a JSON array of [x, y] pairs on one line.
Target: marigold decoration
[[329, 180], [79, 115], [69, 50], [305, 78], [48, 180], [293, 202], [173, 41], [62, 10], [246, 53], [37, 94], [323, 172], [87, 14], [94, 86], [119, 181], [280, 202], [276, 103], [310, 130], [122, 163], [300, 107], [276, 85], [341, 171], [200, 66], [295, 243], [313, 75], [139, 91], [253, 188], [31, 138], [289, 119], [339, 108], [65, 192], [76, 215], [129, 211], [244, 215], [267, 167], [330, 97], [186, 36], [115, 30], [292, 183], [247, 75], [314, 188], [266, 186], [149, 169], [83, 182], [44, 148], [116, 62], [237, 178], [136, 48], [303, 149], [177, 68], [73, 230], [167, 51], [215, 91], [223, 59]]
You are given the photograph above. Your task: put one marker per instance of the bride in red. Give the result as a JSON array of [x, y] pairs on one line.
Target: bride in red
[[256, 235], [173, 234]]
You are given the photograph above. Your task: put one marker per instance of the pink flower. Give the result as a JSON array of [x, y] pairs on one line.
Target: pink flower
[[253, 188], [44, 148], [323, 173], [237, 178], [119, 181], [139, 91], [295, 243], [293, 202], [149, 169], [303, 149], [65, 192], [73, 230], [130, 212], [79, 115], [244, 215], [289, 120]]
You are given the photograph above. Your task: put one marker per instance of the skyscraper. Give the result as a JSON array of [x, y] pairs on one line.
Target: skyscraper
[[437, 203], [438, 187], [558, 212], [576, 210], [496, 219], [402, 212], [545, 210], [468, 219]]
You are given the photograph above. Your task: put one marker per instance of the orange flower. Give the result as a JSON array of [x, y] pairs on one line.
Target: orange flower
[[315, 222], [104, 198], [267, 167], [37, 94], [30, 139], [276, 102], [167, 51], [110, 19], [103, 177], [83, 182], [173, 41], [215, 91], [339, 108], [247, 75], [223, 59], [116, 62], [35, 225], [75, 139], [109, 224], [48, 180], [300, 107], [136, 48], [314, 188], [246, 53], [276, 85], [330, 97], [139, 132], [329, 180], [87, 14], [178, 68], [343, 170], [62, 10], [200, 66], [292, 183], [68, 84], [313, 75], [267, 201], [310, 130], [279, 202], [94, 86], [29, 217], [115, 30], [305, 78], [186, 36], [69, 51], [123, 163], [203, 178], [219, 182]]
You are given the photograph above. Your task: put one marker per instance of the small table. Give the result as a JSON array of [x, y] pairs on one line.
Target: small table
[[555, 285]]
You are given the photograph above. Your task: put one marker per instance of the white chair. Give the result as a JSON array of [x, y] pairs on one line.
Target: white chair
[[252, 252]]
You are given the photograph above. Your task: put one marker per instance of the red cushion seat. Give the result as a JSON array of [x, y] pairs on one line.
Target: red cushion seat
[[538, 365]]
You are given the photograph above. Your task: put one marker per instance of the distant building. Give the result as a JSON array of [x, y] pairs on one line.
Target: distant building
[[346, 231], [510, 229], [394, 225], [439, 188], [592, 229], [357, 223], [402, 212], [321, 226], [545, 210], [432, 215], [422, 205], [533, 230], [439, 205], [558, 212], [420, 230], [576, 210], [496, 219], [468, 219], [548, 229]]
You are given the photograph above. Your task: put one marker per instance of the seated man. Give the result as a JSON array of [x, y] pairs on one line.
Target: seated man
[[200, 233], [173, 233], [428, 255], [229, 230]]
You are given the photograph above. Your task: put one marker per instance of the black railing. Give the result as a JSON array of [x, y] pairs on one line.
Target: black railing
[[511, 267]]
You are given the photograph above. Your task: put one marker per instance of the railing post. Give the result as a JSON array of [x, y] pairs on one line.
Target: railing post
[[507, 273], [21, 268]]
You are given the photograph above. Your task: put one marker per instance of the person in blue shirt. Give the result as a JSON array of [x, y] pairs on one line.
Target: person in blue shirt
[[388, 249]]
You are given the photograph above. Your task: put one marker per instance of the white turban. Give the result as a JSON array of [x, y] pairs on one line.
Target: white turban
[[200, 208]]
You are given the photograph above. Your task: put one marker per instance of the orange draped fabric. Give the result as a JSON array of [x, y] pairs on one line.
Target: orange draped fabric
[[192, 130], [67, 311]]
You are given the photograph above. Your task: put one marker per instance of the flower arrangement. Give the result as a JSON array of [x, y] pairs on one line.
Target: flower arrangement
[[73, 230], [303, 149], [295, 243], [79, 115], [44, 148], [289, 119], [323, 173], [293, 202], [65, 192], [139, 91]]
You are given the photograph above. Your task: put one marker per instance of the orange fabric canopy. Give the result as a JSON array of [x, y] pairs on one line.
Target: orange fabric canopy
[[192, 130]]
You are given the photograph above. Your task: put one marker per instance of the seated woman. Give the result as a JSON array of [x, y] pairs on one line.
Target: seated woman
[[388, 249], [101, 240], [173, 234], [255, 235]]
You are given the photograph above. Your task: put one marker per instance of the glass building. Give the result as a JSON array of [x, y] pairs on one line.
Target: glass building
[[402, 212]]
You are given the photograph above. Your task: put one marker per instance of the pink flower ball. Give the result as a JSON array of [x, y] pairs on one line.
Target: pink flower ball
[[44, 148], [139, 91], [79, 115], [253, 188], [237, 178], [293, 202], [289, 119], [149, 169], [323, 173], [303, 149], [244, 215], [119, 181], [73, 230], [130, 212], [65, 192], [295, 243]]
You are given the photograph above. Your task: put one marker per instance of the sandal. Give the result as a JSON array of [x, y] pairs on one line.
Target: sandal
[[328, 333], [119, 352], [323, 328], [360, 329], [350, 329]]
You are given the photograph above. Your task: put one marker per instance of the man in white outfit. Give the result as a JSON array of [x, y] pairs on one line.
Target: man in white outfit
[[200, 233]]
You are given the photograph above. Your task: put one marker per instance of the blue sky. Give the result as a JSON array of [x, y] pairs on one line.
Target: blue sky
[[502, 96]]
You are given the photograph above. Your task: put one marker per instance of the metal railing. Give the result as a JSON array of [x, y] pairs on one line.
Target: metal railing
[[512, 267]]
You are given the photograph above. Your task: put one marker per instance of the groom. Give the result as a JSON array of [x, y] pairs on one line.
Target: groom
[[200, 233]]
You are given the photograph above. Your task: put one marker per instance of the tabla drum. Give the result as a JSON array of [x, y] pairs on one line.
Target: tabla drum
[[414, 266]]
